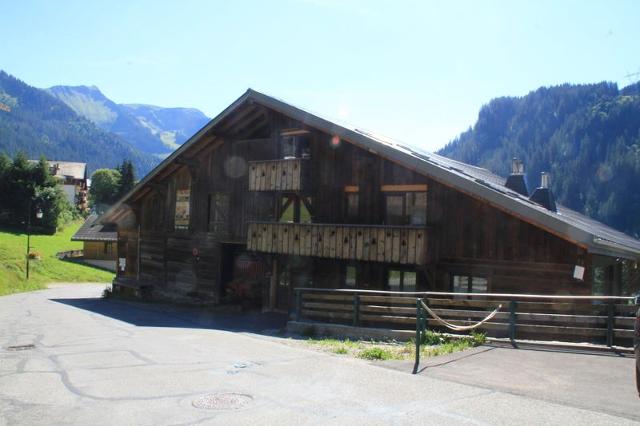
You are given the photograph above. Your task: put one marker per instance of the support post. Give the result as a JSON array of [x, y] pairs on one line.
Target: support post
[[273, 285], [298, 303], [513, 317], [610, 319], [356, 310], [418, 335], [28, 235]]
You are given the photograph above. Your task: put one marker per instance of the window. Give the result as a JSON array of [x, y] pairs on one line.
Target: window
[[183, 200], [395, 210], [469, 284], [218, 212], [284, 277], [406, 209], [350, 276], [107, 248], [401, 280], [352, 212], [295, 146], [416, 208]]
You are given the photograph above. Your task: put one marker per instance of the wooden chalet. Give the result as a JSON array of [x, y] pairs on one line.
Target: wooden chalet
[[268, 197], [99, 243], [72, 176]]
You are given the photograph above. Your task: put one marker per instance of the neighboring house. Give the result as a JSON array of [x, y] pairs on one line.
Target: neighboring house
[[100, 243], [266, 186], [73, 178]]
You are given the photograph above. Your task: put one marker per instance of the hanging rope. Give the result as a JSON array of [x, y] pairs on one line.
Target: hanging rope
[[456, 327]]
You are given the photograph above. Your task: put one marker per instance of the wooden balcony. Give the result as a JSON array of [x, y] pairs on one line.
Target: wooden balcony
[[393, 244], [278, 175]]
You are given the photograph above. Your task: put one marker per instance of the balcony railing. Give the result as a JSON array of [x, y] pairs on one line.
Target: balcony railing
[[279, 175], [377, 243]]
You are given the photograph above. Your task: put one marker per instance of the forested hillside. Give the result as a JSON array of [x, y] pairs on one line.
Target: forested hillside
[[587, 136], [33, 121]]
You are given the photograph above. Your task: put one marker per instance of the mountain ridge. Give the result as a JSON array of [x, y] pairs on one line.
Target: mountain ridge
[[152, 129], [37, 123]]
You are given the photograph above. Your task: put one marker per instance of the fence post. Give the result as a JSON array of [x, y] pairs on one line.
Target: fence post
[[418, 335], [513, 316], [298, 303], [356, 310], [610, 319]]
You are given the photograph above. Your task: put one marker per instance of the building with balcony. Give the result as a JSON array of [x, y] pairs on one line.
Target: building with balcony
[[268, 197]]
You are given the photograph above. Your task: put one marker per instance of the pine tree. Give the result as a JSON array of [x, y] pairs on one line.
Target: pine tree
[[127, 177]]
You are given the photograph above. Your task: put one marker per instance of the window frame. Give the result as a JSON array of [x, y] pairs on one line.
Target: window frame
[[406, 217], [345, 275], [470, 284], [213, 207], [403, 272]]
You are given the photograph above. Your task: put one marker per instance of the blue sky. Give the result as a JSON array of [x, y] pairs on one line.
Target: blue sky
[[417, 71]]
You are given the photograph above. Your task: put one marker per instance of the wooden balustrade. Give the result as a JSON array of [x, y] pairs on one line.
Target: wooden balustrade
[[392, 244], [279, 175], [584, 319]]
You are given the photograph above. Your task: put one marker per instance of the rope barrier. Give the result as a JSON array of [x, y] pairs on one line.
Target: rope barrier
[[456, 327]]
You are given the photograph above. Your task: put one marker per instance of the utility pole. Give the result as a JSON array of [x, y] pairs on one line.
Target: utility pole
[[39, 215]]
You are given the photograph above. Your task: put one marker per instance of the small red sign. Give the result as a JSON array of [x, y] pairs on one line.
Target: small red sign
[[195, 251]]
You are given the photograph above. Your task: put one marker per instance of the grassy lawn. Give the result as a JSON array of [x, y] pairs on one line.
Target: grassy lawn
[[434, 344], [49, 269]]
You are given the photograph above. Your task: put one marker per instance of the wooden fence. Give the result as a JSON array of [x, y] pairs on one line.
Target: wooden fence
[[591, 319], [70, 254]]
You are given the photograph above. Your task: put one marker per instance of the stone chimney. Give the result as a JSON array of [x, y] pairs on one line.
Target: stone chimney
[[515, 181], [543, 194]]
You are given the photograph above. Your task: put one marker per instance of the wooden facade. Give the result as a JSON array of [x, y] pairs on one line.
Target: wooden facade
[[99, 250], [316, 210]]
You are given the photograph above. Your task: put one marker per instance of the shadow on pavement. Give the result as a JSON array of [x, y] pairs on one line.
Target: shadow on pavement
[[165, 315]]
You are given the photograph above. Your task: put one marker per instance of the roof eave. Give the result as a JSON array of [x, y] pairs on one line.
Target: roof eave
[[185, 146]]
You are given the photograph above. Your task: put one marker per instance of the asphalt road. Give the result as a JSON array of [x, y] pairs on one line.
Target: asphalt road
[[98, 362]]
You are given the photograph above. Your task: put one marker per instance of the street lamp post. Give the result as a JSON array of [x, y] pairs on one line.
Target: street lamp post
[[38, 216]]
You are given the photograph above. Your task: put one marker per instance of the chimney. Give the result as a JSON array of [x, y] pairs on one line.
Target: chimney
[[543, 194], [515, 181]]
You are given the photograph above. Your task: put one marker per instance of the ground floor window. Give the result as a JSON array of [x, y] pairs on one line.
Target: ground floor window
[[284, 277], [398, 280], [107, 248], [469, 284], [350, 276]]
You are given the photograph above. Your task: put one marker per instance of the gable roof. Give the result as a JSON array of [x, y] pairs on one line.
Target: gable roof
[[91, 230], [475, 181]]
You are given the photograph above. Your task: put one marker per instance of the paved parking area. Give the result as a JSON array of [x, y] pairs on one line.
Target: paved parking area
[[97, 362]]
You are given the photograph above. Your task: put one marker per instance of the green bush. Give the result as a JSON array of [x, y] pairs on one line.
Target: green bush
[[432, 338], [478, 338], [376, 354]]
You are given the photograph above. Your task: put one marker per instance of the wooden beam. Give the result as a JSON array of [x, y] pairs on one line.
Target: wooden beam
[[404, 188], [294, 132], [186, 162]]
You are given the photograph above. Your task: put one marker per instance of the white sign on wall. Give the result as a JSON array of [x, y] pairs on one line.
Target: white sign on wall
[[578, 272]]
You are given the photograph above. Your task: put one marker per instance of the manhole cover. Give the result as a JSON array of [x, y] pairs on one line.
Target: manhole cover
[[20, 347], [222, 401]]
